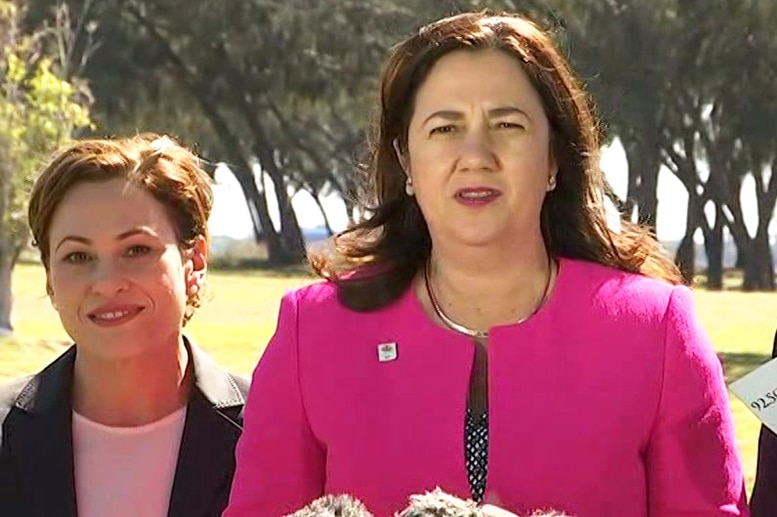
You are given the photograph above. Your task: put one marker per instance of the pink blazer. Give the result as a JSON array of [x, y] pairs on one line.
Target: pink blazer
[[608, 402]]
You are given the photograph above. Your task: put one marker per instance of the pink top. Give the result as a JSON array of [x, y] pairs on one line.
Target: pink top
[[609, 401], [125, 471]]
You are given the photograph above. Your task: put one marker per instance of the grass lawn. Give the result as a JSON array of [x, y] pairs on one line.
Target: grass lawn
[[240, 317]]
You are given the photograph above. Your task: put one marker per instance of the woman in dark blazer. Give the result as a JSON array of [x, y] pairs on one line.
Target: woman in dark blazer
[[133, 419], [763, 502]]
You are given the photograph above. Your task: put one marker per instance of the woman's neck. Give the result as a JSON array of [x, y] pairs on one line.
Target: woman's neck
[[133, 391], [481, 288]]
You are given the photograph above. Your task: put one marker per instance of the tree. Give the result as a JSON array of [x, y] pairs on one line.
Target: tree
[[286, 85], [724, 117], [39, 111], [669, 77], [624, 52]]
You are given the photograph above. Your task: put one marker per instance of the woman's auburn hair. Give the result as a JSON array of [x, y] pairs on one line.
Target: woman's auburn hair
[[167, 170]]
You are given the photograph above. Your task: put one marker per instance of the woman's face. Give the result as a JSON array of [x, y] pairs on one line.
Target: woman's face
[[479, 150], [116, 274]]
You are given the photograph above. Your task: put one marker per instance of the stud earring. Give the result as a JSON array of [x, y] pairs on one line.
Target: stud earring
[[552, 183], [409, 187]]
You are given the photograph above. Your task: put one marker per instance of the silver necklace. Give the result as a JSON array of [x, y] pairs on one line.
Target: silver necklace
[[458, 327]]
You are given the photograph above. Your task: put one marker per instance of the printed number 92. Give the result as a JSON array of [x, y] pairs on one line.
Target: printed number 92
[[764, 402]]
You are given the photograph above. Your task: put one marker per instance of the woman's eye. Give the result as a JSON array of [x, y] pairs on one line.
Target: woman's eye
[[443, 129], [138, 250], [77, 257], [509, 125]]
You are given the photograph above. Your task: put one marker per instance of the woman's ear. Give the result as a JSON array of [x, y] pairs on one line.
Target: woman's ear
[[50, 293], [196, 264], [552, 173], [401, 156]]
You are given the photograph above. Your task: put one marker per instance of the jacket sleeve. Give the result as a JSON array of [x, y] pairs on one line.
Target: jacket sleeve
[[280, 464], [764, 500], [9, 481], [692, 461]]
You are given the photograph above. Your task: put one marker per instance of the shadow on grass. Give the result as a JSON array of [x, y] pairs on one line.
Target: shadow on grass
[[737, 365]]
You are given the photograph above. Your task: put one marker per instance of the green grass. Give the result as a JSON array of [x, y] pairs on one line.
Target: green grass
[[234, 324], [237, 322]]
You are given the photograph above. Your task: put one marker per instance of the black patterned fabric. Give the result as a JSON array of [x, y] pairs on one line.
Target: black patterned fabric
[[476, 450]]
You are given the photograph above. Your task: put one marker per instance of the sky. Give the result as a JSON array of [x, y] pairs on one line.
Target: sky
[[230, 215]]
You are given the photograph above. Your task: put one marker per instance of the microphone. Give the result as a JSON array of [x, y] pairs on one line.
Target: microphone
[[333, 506]]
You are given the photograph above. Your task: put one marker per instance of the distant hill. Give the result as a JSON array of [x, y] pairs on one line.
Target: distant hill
[[729, 253], [223, 244]]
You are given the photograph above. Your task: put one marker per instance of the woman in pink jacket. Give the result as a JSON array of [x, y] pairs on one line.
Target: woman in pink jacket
[[486, 330]]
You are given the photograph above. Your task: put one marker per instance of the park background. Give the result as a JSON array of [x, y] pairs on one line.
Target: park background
[[276, 96]]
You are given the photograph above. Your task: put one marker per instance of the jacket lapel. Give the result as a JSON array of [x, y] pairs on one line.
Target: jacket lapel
[[206, 461], [42, 444]]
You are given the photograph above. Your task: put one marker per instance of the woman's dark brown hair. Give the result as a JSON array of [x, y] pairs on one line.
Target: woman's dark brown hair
[[375, 261]]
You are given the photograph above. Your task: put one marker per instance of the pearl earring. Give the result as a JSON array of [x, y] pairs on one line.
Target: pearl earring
[[552, 183], [409, 187]]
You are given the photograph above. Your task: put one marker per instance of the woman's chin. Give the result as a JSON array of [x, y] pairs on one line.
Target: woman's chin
[[484, 237]]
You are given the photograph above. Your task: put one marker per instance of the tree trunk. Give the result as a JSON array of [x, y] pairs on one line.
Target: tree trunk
[[648, 198], [759, 269], [713, 245], [763, 267], [755, 253], [632, 151], [6, 294], [739, 263], [745, 251], [8, 252], [644, 158], [257, 207], [293, 245], [327, 222], [685, 257], [256, 200], [290, 232]]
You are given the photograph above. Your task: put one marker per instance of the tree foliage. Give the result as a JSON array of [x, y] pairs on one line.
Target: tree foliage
[[287, 86], [39, 112]]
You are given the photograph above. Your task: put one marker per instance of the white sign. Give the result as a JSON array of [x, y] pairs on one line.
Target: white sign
[[758, 390]]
